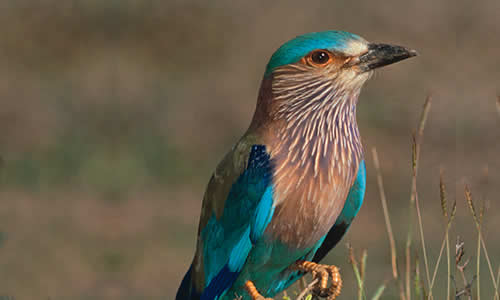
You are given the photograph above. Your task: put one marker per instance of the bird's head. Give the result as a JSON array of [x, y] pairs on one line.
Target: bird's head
[[323, 69]]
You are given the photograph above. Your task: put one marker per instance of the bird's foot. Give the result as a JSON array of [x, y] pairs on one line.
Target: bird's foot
[[252, 290], [321, 273]]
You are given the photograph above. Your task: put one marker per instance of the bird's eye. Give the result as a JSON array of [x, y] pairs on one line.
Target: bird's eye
[[319, 57]]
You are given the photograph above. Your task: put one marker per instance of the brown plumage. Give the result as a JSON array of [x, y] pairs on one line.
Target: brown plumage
[[313, 138]]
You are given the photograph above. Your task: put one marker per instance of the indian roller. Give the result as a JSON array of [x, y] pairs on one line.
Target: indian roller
[[289, 189]]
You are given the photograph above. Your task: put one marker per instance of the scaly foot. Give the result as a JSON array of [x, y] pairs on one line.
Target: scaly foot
[[252, 290], [322, 272]]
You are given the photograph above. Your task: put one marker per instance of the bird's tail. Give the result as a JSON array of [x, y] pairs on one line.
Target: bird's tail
[[186, 291]]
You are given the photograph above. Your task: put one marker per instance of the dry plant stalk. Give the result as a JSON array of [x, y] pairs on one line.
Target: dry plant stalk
[[308, 289], [498, 276], [414, 203], [415, 159], [478, 259], [448, 221], [419, 217], [387, 219], [470, 203], [359, 270], [388, 225], [461, 266]]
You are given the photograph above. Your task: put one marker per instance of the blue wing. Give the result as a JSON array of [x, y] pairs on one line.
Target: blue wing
[[225, 241], [351, 207]]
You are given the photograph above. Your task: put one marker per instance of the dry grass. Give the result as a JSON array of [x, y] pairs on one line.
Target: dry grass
[[460, 264]]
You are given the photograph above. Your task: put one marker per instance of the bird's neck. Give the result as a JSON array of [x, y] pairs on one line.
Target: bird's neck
[[323, 139], [318, 131]]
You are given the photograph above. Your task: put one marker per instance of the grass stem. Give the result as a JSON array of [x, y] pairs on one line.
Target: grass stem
[[415, 160], [468, 197], [387, 219]]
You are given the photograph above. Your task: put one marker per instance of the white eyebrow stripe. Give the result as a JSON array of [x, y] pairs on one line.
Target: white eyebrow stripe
[[356, 48]]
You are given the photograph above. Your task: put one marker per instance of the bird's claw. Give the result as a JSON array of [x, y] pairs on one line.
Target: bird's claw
[[253, 292], [322, 273]]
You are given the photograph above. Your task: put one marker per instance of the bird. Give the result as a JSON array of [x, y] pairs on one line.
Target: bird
[[288, 190]]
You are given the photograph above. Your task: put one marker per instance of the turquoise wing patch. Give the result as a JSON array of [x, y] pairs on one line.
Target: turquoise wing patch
[[228, 240]]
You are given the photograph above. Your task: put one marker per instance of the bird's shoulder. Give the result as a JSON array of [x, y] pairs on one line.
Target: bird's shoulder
[[236, 209], [226, 174]]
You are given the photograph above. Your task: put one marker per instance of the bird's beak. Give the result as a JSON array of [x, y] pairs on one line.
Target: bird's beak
[[380, 55]]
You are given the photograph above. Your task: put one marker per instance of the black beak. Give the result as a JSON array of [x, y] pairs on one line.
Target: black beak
[[380, 55]]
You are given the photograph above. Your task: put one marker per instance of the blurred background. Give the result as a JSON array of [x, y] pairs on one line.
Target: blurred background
[[113, 115]]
